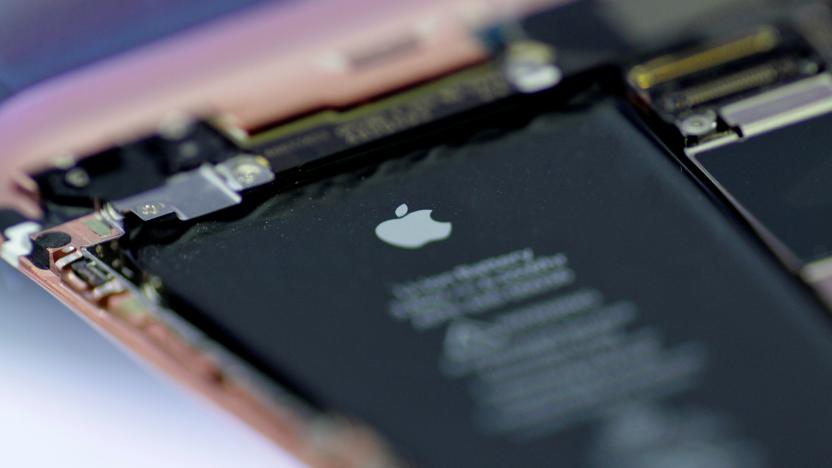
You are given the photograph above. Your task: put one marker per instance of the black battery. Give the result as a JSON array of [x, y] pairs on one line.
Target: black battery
[[558, 294]]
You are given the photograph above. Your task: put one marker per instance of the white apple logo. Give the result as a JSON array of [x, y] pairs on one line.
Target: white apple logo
[[412, 231]]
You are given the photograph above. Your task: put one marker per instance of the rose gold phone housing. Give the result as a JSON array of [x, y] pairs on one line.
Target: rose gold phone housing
[[247, 71]]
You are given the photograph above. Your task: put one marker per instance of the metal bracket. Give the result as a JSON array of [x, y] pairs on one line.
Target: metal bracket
[[201, 191]]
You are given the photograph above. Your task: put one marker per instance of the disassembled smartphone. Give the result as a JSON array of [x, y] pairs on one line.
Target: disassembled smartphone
[[497, 233]]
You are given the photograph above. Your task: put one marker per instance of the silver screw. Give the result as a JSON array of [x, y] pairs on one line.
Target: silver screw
[[246, 173], [150, 209], [698, 124], [77, 178], [530, 67]]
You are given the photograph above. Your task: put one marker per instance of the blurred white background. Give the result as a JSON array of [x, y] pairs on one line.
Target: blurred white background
[[69, 398]]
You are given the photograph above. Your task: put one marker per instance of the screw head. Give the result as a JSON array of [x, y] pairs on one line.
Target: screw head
[[530, 67], [246, 173], [151, 209], [77, 178], [698, 124]]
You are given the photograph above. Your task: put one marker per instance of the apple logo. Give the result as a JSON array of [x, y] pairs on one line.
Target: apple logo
[[412, 231]]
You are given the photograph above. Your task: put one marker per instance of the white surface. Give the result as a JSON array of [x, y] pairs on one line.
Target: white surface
[[69, 398]]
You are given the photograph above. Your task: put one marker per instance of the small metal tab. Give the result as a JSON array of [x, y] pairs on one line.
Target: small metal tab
[[201, 191]]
